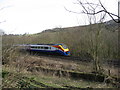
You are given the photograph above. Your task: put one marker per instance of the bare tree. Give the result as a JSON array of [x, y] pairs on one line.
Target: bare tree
[[92, 9]]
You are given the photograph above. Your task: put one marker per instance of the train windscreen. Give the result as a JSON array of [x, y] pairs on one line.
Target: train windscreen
[[64, 46]]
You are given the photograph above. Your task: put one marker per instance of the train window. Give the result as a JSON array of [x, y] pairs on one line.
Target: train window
[[41, 47], [38, 47], [45, 47], [64, 46], [32, 47]]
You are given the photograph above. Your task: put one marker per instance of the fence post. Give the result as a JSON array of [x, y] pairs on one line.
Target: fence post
[[1, 33], [118, 35]]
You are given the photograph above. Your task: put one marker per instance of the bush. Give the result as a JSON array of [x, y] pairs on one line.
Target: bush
[[10, 54]]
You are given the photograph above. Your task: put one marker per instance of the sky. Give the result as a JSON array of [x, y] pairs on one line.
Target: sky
[[34, 16]]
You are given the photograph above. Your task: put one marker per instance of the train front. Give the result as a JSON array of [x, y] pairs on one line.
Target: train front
[[64, 49]]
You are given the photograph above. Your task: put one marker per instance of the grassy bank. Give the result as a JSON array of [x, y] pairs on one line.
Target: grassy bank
[[13, 79], [24, 70], [80, 40]]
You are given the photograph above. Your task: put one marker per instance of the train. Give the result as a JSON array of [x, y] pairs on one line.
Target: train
[[59, 49]]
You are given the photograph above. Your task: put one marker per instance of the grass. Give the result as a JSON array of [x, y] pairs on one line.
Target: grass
[[79, 46], [16, 64], [14, 80], [47, 79]]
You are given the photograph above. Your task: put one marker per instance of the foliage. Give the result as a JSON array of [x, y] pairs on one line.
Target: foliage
[[78, 39], [89, 42]]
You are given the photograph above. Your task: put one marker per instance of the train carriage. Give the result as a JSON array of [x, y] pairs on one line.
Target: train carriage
[[60, 49]]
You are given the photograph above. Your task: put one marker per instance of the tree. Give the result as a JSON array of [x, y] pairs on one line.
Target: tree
[[92, 10]]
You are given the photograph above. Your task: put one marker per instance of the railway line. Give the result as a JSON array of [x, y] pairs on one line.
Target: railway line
[[114, 63], [73, 58], [58, 57], [63, 53]]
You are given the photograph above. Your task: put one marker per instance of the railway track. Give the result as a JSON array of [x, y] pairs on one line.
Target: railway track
[[71, 58], [75, 58], [115, 63]]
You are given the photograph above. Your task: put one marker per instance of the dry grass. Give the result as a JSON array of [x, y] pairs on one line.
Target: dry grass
[[33, 61], [26, 62], [80, 40], [83, 46], [20, 65], [11, 81]]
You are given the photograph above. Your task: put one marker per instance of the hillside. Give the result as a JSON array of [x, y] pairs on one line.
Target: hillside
[[78, 39], [109, 25], [92, 42]]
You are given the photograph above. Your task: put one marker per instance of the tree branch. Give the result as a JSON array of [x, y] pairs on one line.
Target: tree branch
[[91, 9]]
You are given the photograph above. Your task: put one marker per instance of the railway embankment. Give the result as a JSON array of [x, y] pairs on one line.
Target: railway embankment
[[76, 70]]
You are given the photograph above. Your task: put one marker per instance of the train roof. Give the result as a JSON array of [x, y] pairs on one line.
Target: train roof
[[35, 44], [47, 44]]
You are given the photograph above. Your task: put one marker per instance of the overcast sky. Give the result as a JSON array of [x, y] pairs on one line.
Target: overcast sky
[[34, 16]]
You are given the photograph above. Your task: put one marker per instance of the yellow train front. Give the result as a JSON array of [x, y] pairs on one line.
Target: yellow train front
[[59, 49]]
